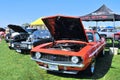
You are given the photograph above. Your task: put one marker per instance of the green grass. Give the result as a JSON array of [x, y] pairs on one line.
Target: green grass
[[114, 72], [16, 66]]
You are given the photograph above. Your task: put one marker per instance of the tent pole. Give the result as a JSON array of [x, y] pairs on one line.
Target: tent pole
[[113, 33]]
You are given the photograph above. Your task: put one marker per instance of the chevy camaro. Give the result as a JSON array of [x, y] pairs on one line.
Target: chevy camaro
[[72, 49]]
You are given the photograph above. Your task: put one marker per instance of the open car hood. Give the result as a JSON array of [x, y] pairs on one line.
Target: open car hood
[[65, 27], [17, 28]]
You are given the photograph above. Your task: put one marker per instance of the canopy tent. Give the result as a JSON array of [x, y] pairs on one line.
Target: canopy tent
[[110, 27], [37, 22], [101, 14]]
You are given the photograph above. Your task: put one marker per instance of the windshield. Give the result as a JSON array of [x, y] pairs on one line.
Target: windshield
[[30, 31], [41, 34]]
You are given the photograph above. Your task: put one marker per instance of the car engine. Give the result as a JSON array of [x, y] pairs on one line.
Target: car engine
[[68, 46]]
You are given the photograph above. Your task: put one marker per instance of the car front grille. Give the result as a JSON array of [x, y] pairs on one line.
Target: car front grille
[[55, 58], [23, 45], [16, 45], [20, 46]]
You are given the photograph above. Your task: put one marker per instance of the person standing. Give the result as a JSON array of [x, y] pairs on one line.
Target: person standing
[[0, 38]]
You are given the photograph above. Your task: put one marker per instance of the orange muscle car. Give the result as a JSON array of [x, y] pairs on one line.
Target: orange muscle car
[[72, 49]]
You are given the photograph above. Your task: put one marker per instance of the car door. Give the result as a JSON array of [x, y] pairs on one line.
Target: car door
[[99, 42]]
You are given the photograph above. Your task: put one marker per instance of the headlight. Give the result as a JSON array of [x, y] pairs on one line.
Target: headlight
[[37, 55], [75, 59], [12, 45], [29, 46]]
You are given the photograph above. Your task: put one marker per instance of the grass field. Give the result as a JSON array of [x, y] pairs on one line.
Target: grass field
[[15, 66]]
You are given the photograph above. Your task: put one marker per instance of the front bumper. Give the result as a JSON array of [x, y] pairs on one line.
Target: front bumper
[[60, 67], [11, 45], [23, 46]]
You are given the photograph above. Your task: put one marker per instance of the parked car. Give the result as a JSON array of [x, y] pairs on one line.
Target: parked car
[[117, 36], [107, 32], [36, 38], [17, 34], [72, 50]]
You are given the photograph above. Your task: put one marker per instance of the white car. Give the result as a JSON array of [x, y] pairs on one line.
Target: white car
[[108, 33], [19, 34]]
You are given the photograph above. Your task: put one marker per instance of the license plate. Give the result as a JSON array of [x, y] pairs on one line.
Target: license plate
[[23, 45], [18, 50], [53, 67]]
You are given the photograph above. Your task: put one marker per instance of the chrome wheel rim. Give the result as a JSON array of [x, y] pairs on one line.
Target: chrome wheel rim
[[93, 67], [103, 52]]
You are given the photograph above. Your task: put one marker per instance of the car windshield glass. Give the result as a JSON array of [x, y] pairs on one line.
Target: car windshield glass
[[41, 34], [104, 30], [30, 31]]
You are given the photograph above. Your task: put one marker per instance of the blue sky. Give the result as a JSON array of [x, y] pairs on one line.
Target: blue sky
[[25, 11]]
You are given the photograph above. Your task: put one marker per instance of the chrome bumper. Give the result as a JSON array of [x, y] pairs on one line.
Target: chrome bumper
[[63, 71], [60, 64]]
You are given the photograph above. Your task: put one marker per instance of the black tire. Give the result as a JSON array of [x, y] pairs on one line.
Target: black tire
[[102, 53], [91, 68], [25, 51], [11, 48], [22, 52]]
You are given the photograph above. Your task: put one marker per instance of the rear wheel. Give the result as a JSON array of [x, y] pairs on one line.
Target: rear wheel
[[102, 53]]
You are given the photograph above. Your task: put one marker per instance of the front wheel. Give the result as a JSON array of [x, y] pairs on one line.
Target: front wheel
[[91, 68]]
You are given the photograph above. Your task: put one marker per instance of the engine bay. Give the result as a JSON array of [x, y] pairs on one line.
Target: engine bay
[[68, 46]]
